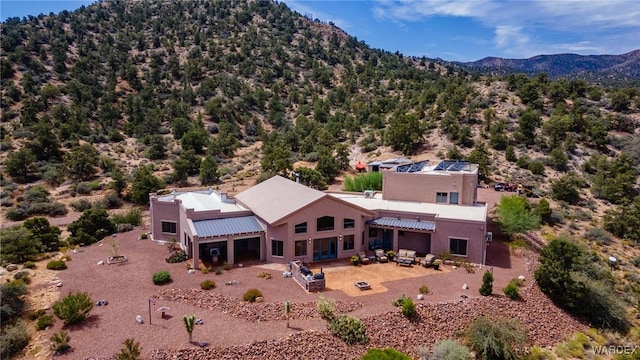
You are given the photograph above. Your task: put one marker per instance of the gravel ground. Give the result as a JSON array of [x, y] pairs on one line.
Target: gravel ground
[[234, 329]]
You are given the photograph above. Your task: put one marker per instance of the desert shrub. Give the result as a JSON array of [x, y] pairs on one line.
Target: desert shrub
[[133, 217], [44, 322], [227, 267], [56, 265], [124, 227], [384, 354], [29, 265], [13, 303], [131, 350], [251, 295], [636, 261], [81, 205], [598, 235], [399, 301], [326, 308], [264, 275], [60, 343], [409, 308], [111, 201], [208, 284], [177, 257], [36, 314], [218, 271], [13, 339], [424, 289], [22, 276], [349, 329], [512, 291], [487, 284], [498, 339], [161, 277], [83, 188], [74, 308], [144, 236], [451, 350]]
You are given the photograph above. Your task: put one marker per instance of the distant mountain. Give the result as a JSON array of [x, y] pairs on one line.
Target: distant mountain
[[594, 67]]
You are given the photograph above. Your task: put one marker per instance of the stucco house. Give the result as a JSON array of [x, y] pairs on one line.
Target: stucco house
[[424, 206]]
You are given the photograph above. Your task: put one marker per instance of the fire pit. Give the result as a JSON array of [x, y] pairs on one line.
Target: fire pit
[[363, 285]]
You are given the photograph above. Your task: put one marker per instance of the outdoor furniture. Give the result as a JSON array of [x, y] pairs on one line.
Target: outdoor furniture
[[363, 285], [380, 256], [363, 258], [405, 257], [428, 260]]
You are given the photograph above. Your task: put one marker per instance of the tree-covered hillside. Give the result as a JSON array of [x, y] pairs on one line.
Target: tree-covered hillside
[[116, 87]]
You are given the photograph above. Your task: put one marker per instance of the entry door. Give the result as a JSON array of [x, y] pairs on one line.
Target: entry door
[[325, 248], [387, 239]]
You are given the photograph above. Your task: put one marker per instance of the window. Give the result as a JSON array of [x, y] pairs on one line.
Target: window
[[324, 223], [373, 232], [301, 247], [458, 246], [169, 227], [277, 248], [348, 223], [301, 228], [348, 242], [453, 198], [441, 197]]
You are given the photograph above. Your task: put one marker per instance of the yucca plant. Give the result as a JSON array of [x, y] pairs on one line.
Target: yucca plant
[[189, 324], [60, 342], [287, 311], [131, 350]]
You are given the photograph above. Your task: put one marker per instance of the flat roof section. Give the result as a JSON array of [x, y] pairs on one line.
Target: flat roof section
[[476, 212], [203, 201]]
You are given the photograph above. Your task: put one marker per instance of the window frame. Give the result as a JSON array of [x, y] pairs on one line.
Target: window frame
[[297, 228], [348, 223], [300, 248], [440, 195], [348, 239], [459, 240], [325, 227], [169, 223], [275, 246], [451, 197]]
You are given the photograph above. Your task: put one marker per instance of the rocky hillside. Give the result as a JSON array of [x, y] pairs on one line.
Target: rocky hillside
[[592, 67]]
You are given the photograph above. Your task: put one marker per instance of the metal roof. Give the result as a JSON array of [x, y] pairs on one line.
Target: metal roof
[[227, 226], [404, 223], [278, 197]]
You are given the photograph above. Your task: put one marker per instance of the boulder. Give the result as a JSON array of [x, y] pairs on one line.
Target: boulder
[[11, 267]]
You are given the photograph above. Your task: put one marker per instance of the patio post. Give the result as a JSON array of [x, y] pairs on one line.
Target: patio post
[[150, 302]]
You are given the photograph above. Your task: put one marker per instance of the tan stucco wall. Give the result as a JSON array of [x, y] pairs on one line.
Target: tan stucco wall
[[327, 206], [420, 187]]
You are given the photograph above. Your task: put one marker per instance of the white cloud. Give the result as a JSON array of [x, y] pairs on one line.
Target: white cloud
[[316, 14], [507, 35]]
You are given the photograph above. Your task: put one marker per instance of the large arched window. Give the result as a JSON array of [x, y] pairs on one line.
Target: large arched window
[[325, 223]]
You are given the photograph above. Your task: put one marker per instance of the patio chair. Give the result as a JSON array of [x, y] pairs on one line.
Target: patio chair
[[380, 256], [363, 258]]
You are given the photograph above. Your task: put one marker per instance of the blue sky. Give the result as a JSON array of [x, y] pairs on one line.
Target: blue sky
[[457, 30]]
